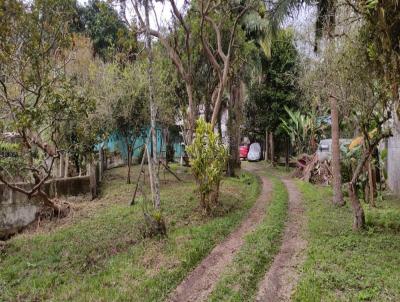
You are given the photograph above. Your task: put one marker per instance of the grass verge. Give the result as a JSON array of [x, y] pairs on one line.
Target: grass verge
[[343, 265], [101, 256], [240, 281]]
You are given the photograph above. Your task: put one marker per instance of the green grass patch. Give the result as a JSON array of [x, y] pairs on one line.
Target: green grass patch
[[240, 281], [343, 265], [386, 216], [102, 256]]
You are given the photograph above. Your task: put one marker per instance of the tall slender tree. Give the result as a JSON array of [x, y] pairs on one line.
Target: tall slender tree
[[325, 25], [153, 111]]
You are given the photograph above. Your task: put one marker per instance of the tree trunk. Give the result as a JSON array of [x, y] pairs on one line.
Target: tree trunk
[[233, 131], [101, 164], [337, 178], [266, 146], [192, 112], [371, 183], [128, 178], [151, 174], [358, 212], [219, 124], [271, 148], [153, 112], [93, 180], [207, 111]]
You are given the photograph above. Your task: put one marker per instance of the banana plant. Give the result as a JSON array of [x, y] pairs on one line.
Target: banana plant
[[304, 130]]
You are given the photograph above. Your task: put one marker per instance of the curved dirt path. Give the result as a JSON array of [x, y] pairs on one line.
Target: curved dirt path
[[283, 275], [201, 281]]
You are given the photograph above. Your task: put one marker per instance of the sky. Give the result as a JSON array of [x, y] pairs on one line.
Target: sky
[[163, 11], [302, 21]]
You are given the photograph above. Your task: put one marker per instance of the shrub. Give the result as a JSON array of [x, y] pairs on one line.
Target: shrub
[[208, 158]]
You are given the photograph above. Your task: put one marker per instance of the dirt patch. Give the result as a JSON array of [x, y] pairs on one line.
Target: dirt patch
[[283, 274], [201, 281]]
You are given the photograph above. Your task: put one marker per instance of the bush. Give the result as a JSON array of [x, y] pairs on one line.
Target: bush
[[208, 158], [388, 219]]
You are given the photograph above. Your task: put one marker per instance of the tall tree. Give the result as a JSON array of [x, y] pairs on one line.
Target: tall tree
[[180, 55], [211, 14], [129, 114], [325, 25], [153, 163], [37, 96], [112, 39], [275, 88]]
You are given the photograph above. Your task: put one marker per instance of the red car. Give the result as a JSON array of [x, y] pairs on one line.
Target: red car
[[243, 150]]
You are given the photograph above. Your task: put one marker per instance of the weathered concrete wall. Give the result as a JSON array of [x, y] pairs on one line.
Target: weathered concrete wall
[[16, 211], [393, 160]]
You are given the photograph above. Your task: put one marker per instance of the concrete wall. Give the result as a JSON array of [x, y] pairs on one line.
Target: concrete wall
[[16, 211], [393, 160]]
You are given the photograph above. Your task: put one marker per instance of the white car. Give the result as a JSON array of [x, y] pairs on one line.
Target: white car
[[254, 152]]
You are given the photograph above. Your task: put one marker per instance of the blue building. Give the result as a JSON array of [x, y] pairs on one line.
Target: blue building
[[116, 143]]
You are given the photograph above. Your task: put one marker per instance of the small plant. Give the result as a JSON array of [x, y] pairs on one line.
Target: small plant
[[208, 158], [153, 223]]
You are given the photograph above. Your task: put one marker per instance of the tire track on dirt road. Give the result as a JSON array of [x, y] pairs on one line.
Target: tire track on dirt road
[[201, 281], [283, 275]]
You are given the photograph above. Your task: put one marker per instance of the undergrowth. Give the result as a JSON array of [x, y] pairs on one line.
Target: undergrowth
[[102, 256], [344, 265]]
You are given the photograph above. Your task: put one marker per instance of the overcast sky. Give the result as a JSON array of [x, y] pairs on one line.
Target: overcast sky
[[163, 11], [302, 21]]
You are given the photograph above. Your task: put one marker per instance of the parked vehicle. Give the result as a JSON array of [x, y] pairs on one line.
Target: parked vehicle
[[324, 151], [254, 152], [243, 151]]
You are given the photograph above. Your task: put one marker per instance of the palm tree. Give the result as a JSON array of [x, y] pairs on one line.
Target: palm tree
[[325, 24]]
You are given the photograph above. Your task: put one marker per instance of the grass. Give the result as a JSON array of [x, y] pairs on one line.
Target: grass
[[343, 265], [386, 215], [101, 256], [240, 281]]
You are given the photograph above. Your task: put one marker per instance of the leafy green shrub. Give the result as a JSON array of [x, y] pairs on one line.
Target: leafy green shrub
[[208, 158], [349, 159], [383, 218], [304, 130]]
